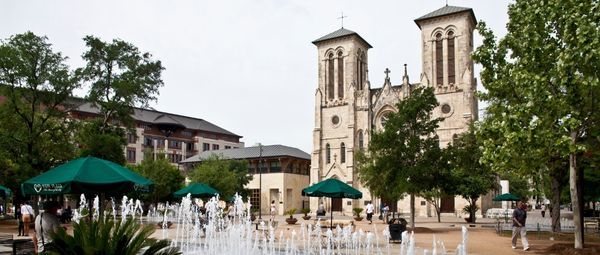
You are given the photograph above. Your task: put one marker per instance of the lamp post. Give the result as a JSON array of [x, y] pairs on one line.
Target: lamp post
[[259, 181]]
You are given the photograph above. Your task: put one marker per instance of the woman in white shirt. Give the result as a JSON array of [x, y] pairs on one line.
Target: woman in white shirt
[[27, 215]]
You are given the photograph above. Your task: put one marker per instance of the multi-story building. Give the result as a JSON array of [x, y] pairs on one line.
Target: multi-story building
[[176, 136], [279, 174]]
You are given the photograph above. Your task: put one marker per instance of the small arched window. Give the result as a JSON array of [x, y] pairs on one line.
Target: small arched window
[[454, 139], [330, 76], [451, 72], [439, 61], [327, 154], [343, 153], [361, 142], [340, 74]]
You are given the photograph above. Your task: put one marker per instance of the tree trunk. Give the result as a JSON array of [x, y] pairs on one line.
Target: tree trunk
[[555, 201], [473, 211], [575, 196], [412, 211]]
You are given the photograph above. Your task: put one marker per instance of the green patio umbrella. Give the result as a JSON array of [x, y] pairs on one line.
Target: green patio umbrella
[[506, 197], [5, 192], [196, 190], [332, 188], [87, 175]]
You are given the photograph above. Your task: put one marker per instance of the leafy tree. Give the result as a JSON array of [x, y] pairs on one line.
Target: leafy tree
[[102, 142], [166, 177], [121, 78], [225, 175], [542, 84], [402, 158], [108, 237], [471, 178], [35, 85]]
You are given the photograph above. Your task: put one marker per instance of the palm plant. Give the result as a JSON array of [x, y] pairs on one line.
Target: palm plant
[[108, 237]]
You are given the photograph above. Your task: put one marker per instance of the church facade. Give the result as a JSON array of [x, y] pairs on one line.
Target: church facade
[[348, 110]]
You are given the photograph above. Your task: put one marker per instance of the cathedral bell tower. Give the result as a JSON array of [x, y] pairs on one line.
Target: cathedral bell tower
[[447, 44], [341, 108]]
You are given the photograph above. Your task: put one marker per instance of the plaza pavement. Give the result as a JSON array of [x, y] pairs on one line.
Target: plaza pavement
[[482, 236]]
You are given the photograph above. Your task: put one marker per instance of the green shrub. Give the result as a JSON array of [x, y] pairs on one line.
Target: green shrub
[[108, 237]]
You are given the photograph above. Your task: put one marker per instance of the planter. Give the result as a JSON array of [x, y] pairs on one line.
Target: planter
[[358, 218], [291, 221], [306, 217], [160, 224]]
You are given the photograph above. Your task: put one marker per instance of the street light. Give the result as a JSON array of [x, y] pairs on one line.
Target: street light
[[259, 181]]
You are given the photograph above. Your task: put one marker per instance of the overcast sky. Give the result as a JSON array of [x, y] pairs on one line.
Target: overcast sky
[[246, 66]]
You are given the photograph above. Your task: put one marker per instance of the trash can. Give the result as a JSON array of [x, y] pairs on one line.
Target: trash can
[[396, 227]]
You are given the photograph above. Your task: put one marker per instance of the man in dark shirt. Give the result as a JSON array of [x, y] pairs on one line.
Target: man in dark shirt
[[519, 218]]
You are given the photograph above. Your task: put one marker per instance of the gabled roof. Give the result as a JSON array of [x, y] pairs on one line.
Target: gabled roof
[[251, 152], [446, 10], [340, 33]]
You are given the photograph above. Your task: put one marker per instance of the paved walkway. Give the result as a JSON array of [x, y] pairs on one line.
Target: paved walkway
[[482, 238]]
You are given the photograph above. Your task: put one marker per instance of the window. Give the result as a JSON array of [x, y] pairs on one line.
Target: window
[[145, 126], [131, 155], [275, 167], [340, 75], [148, 141], [215, 147], [131, 138], [205, 147], [446, 108], [330, 75], [255, 198], [327, 154], [451, 74], [359, 69], [361, 142], [343, 153], [160, 143], [454, 138], [227, 147], [384, 119], [174, 144], [189, 147], [335, 120], [439, 61], [186, 133]]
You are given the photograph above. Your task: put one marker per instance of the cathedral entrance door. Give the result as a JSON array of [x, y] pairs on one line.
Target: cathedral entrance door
[[336, 204], [447, 204]]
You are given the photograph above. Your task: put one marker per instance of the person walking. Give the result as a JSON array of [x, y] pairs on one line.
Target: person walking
[[519, 219], [386, 210], [19, 217], [273, 210], [27, 216], [543, 210], [369, 209]]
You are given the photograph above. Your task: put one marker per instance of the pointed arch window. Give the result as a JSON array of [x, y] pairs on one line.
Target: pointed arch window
[[361, 142], [439, 60], [327, 154], [340, 74], [330, 76], [343, 153], [451, 72]]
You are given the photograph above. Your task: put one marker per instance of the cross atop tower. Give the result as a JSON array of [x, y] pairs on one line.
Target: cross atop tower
[[342, 18], [387, 73]]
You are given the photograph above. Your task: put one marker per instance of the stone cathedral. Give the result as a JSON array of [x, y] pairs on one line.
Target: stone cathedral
[[348, 109]]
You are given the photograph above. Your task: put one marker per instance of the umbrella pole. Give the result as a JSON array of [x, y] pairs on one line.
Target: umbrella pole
[[331, 213]]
